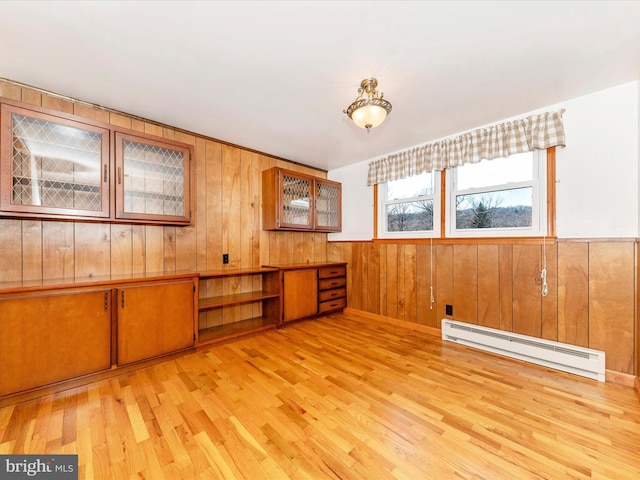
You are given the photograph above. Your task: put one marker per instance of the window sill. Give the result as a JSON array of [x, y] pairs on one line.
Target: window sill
[[470, 240]]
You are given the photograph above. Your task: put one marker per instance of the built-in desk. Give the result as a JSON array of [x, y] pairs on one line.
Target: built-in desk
[[58, 334]]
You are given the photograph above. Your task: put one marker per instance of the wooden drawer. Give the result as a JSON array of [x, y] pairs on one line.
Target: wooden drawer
[[331, 272], [330, 283], [332, 294], [336, 304]]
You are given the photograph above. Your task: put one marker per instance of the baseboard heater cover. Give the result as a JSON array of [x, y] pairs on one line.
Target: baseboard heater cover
[[560, 356]]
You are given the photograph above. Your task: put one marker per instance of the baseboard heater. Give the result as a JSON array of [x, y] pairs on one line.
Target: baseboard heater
[[560, 356]]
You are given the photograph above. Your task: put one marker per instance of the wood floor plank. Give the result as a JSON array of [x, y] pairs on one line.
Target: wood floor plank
[[343, 397]]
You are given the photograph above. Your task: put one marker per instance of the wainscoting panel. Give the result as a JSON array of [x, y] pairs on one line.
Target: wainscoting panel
[[611, 302], [573, 293], [465, 283], [591, 287], [489, 286]]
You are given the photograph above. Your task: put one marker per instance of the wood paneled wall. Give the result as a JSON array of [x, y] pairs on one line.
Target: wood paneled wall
[[591, 299], [591, 288], [227, 217]]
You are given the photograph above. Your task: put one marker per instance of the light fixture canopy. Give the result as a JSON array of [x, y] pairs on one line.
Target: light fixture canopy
[[369, 109]]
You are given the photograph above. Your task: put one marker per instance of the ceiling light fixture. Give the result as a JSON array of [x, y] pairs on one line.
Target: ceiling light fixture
[[369, 109]]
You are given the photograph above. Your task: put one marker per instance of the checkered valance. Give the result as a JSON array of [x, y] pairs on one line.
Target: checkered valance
[[498, 141]]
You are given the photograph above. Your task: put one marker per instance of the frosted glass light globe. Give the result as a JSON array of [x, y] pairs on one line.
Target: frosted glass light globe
[[369, 116]]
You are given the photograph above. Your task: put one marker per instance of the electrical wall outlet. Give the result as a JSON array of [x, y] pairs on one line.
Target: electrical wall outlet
[[448, 309], [225, 258]]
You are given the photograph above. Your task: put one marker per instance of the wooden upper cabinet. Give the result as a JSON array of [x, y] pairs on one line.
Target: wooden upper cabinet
[[57, 165], [152, 179], [52, 165], [287, 200], [328, 205], [295, 201]]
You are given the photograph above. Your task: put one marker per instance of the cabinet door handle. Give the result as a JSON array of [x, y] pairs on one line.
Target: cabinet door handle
[[122, 298], [104, 174], [119, 175], [106, 301]]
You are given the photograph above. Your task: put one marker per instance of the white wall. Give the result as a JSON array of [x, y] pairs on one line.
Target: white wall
[[357, 202], [597, 173]]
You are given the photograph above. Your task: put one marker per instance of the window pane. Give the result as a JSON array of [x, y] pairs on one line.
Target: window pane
[[416, 186], [500, 209], [410, 216], [500, 171]]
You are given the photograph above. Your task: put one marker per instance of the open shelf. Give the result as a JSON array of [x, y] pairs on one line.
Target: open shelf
[[234, 299], [234, 329], [265, 298]]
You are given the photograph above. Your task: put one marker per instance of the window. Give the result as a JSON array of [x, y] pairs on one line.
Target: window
[[500, 197], [504, 197], [410, 207]]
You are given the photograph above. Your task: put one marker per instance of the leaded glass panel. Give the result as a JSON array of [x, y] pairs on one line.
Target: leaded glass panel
[[55, 165], [153, 179], [296, 203], [328, 206]]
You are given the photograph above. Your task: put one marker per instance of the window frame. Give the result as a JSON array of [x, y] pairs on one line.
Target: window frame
[[546, 165], [538, 211], [381, 207]]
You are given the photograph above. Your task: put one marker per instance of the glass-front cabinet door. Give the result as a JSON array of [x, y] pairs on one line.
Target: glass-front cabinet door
[[152, 179], [328, 206], [52, 165], [296, 200]]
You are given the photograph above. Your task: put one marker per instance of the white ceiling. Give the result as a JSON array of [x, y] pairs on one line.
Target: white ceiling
[[276, 76]]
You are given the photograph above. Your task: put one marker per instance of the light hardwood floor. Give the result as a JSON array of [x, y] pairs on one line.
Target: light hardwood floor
[[342, 397]]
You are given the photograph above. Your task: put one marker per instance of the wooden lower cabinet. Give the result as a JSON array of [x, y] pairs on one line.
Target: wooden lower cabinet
[[52, 336], [154, 320], [300, 294], [332, 288], [313, 289]]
